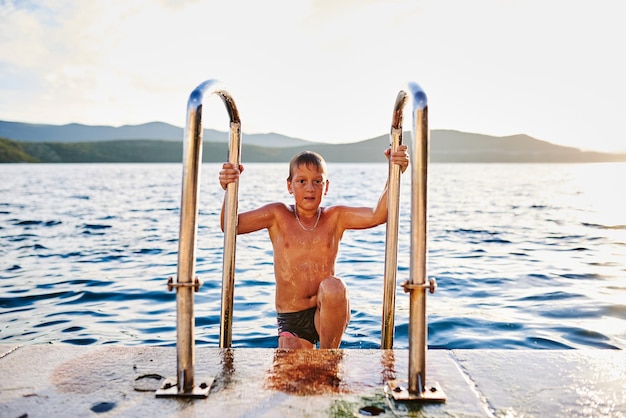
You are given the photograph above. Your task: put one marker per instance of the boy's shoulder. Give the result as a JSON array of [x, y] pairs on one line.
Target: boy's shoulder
[[279, 207], [335, 209]]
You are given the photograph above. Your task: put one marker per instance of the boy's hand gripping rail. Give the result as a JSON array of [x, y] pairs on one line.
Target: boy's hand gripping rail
[[417, 387], [183, 384]]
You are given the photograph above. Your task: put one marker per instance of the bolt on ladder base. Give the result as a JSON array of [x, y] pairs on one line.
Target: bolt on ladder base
[[399, 390], [169, 389]]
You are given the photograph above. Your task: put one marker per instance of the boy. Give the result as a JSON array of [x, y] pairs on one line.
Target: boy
[[312, 304]]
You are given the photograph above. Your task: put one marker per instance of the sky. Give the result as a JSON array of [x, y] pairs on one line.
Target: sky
[[322, 70]]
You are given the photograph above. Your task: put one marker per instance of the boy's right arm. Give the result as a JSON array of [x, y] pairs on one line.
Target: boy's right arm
[[250, 221]]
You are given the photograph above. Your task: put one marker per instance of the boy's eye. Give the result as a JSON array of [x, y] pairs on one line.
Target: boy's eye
[[316, 182]]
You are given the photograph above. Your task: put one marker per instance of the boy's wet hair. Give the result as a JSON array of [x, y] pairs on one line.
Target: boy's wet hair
[[308, 158]]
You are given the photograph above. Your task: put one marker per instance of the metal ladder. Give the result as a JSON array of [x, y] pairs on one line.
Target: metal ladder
[[183, 385]]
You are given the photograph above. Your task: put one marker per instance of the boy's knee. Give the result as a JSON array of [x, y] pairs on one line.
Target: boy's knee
[[333, 289]]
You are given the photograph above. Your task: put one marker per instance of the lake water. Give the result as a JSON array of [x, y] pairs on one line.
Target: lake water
[[525, 255]]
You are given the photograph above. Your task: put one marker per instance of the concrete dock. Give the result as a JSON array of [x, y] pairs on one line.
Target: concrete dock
[[83, 381]]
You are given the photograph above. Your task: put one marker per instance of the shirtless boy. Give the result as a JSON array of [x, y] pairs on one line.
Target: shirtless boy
[[312, 304]]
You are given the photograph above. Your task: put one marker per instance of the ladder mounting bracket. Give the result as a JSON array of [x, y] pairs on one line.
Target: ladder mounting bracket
[[408, 286]]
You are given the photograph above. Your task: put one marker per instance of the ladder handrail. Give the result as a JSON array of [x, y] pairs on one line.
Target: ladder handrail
[[418, 328], [230, 240], [186, 280], [391, 241]]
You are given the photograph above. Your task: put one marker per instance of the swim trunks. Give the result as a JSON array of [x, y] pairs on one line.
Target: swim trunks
[[301, 324]]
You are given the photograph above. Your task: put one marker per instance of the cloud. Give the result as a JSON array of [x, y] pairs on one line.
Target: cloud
[[321, 69]]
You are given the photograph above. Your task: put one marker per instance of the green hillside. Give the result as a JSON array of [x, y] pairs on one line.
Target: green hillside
[[105, 152], [144, 151], [445, 146], [13, 152]]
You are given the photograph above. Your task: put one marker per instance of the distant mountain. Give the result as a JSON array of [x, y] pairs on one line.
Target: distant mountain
[[455, 146], [160, 142], [74, 132]]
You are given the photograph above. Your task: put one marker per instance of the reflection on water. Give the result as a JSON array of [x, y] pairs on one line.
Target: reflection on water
[[228, 366], [388, 363]]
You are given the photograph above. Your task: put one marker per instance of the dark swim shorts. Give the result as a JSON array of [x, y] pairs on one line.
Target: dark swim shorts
[[301, 324]]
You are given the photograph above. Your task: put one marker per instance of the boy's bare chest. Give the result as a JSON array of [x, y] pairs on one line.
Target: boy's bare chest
[[310, 241], [322, 239]]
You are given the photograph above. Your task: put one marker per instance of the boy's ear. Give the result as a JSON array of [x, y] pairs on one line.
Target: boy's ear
[[289, 187], [326, 188]]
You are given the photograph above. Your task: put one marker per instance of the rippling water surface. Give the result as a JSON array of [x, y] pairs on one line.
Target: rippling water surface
[[525, 255]]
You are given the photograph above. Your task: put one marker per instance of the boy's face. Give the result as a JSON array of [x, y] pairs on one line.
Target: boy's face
[[308, 185]]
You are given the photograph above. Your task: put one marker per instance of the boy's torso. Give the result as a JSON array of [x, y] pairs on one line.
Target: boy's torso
[[302, 259]]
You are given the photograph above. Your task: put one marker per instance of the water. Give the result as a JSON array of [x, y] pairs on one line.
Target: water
[[525, 255]]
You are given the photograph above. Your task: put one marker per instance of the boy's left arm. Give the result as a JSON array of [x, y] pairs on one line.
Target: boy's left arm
[[360, 218]]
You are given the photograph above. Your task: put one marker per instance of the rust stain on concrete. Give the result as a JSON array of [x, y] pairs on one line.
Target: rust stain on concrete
[[90, 372], [307, 372]]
